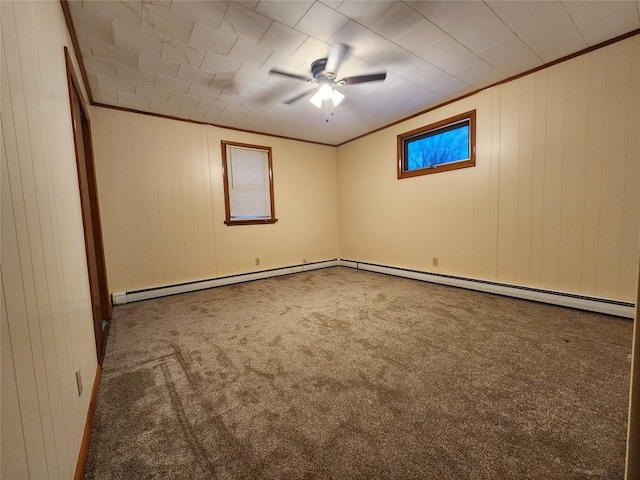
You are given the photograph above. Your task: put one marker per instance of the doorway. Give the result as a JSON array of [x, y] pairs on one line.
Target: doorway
[[100, 299]]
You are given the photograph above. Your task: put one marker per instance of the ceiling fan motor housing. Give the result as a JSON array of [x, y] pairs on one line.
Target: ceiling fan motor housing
[[319, 73]]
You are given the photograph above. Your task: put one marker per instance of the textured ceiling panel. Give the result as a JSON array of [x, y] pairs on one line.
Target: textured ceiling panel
[[209, 61]]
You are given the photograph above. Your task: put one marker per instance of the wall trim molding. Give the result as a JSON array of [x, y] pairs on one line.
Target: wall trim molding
[[564, 299], [175, 289], [83, 454]]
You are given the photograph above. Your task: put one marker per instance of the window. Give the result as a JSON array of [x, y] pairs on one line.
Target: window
[[248, 184], [446, 145]]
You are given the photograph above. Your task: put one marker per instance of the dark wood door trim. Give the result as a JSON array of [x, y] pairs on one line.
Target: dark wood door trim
[[100, 297]]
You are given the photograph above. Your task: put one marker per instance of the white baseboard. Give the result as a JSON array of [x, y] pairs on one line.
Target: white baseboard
[[593, 304], [121, 298]]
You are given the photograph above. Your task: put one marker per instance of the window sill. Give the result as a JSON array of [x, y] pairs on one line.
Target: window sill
[[250, 222]]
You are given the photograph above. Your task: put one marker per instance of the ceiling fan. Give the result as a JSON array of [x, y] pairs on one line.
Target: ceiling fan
[[324, 73]]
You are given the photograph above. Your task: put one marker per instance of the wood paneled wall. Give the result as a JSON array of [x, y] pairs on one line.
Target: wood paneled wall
[[47, 330], [554, 201], [162, 202]]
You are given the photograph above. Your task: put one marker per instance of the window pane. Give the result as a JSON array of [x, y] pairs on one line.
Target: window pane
[[249, 196], [447, 145]]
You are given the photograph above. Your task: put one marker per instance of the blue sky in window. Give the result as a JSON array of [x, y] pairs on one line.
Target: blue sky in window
[[439, 148]]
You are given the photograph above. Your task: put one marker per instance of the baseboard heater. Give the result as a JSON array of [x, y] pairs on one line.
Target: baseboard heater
[[164, 291], [593, 304]]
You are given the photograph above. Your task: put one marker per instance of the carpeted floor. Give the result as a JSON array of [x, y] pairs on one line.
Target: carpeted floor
[[345, 374]]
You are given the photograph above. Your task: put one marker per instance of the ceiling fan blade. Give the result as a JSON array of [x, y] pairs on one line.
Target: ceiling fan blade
[[300, 96], [372, 77], [337, 55], [290, 75]]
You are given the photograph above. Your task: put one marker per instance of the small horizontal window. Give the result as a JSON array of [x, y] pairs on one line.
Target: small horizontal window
[[442, 146], [248, 184]]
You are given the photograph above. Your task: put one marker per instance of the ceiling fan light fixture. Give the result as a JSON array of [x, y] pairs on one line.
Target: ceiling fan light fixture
[[316, 99], [337, 97], [325, 91]]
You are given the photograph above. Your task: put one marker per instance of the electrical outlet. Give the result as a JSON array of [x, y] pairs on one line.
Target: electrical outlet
[[257, 261], [79, 382], [435, 261]]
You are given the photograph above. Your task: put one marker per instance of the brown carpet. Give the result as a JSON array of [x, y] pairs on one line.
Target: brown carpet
[[345, 374]]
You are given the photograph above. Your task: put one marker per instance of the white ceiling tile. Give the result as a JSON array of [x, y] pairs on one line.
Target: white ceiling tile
[[332, 3], [365, 12], [467, 17], [250, 4], [99, 67], [215, 63], [284, 11], [108, 97], [203, 91], [444, 48], [228, 85], [459, 62], [245, 50], [321, 22], [204, 11], [114, 53], [90, 25], [246, 22], [115, 84], [420, 36], [288, 63], [133, 101], [178, 52], [396, 20], [134, 75], [488, 36], [545, 27], [310, 50], [153, 64], [128, 12], [211, 106], [231, 98], [510, 57], [159, 19], [601, 20], [191, 113], [181, 99], [437, 12], [136, 39], [164, 108], [218, 41], [152, 93], [421, 71], [445, 84], [194, 75], [236, 111], [172, 84], [251, 74], [480, 75], [282, 39]]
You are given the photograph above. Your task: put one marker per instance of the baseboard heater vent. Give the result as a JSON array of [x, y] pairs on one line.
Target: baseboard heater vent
[[593, 304], [148, 293]]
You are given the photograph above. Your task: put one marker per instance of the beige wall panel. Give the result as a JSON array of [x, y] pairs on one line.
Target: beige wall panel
[[539, 155], [574, 175], [631, 212], [524, 191], [596, 159], [552, 193], [616, 121], [482, 188], [178, 166], [529, 213], [509, 182], [48, 310], [13, 458]]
